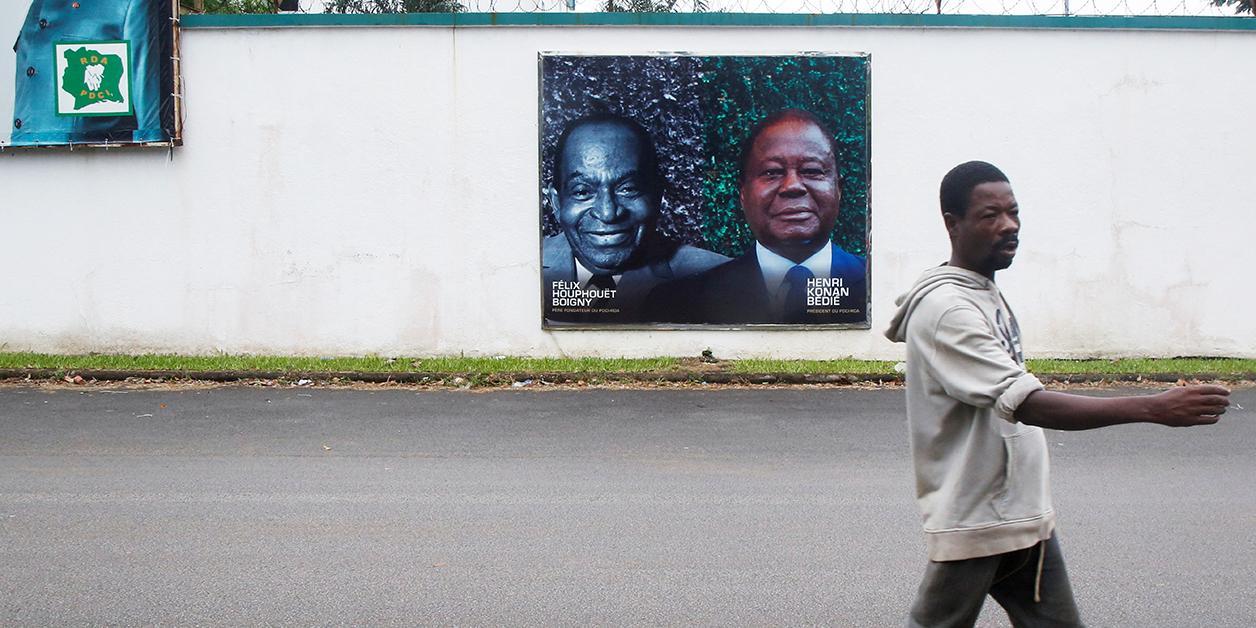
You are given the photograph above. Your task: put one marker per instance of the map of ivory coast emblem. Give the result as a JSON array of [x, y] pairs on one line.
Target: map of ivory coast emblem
[[94, 78]]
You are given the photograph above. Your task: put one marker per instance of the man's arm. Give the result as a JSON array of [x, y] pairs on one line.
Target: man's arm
[[1182, 406]]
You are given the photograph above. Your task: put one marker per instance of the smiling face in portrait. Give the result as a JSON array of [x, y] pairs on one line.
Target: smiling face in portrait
[[606, 199], [789, 189]]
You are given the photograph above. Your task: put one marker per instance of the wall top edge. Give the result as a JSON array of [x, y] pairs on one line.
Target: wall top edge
[[882, 20]]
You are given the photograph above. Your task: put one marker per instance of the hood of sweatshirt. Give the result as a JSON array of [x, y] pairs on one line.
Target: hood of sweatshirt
[[929, 281]]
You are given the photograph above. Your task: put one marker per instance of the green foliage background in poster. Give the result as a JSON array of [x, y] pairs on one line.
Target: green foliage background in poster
[[738, 92]]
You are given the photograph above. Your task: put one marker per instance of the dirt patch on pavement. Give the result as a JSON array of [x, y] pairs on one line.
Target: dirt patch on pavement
[[684, 381]]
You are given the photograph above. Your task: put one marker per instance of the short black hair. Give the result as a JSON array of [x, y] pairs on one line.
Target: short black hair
[[649, 155], [784, 114], [957, 185]]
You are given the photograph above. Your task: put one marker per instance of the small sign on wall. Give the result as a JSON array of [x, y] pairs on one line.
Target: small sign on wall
[[94, 78]]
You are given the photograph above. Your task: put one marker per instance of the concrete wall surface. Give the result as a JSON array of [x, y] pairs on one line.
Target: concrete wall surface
[[347, 191]]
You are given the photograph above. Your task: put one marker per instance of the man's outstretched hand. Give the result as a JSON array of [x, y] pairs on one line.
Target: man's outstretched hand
[[1184, 406]]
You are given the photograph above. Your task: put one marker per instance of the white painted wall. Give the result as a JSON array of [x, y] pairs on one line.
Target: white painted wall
[[373, 190]]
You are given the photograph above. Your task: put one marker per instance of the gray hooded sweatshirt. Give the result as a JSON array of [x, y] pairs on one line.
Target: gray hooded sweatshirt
[[981, 477]]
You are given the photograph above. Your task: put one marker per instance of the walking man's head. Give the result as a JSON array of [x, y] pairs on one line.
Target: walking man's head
[[982, 217], [606, 191]]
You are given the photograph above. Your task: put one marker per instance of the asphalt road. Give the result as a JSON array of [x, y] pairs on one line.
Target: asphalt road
[[611, 507]]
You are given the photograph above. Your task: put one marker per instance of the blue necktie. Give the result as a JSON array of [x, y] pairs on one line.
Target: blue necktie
[[601, 282], [795, 309]]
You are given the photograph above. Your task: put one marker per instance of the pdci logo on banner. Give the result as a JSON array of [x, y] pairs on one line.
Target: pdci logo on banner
[[94, 78]]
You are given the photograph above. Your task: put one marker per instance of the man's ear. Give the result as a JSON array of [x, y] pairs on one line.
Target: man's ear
[[658, 205], [552, 194], [952, 222]]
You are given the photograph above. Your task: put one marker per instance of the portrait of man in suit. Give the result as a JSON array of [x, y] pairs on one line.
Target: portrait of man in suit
[[606, 193], [146, 26], [790, 193]]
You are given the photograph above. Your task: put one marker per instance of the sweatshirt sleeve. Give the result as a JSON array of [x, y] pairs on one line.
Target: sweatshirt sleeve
[[972, 366]]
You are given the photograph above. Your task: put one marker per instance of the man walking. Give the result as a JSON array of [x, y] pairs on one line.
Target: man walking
[[976, 417]]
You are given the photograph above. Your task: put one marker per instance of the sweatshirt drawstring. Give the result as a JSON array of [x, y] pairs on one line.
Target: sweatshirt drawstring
[[1042, 553]]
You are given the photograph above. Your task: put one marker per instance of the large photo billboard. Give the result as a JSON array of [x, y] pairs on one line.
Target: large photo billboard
[[95, 72], [681, 190]]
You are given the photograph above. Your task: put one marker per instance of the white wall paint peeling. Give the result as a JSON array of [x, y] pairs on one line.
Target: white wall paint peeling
[[374, 190]]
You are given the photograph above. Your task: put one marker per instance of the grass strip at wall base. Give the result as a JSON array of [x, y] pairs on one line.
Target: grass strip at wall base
[[504, 370], [347, 365]]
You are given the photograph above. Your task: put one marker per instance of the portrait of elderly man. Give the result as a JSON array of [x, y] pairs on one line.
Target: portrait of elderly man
[[606, 194], [145, 24], [790, 193]]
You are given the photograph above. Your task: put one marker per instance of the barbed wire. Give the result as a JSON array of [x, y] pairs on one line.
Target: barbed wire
[[1185, 8]]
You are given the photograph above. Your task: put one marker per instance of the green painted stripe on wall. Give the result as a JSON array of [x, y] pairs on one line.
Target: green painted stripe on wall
[[883, 20]]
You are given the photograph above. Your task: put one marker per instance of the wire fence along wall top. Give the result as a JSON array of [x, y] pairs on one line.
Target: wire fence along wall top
[[1192, 8], [739, 20]]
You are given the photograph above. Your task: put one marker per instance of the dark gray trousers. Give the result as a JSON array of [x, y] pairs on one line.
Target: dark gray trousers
[[952, 592]]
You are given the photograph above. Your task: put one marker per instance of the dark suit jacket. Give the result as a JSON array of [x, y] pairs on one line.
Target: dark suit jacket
[[734, 293], [665, 262]]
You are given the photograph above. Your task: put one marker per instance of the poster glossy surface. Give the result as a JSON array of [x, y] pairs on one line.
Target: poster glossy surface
[[684, 191], [94, 72]]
